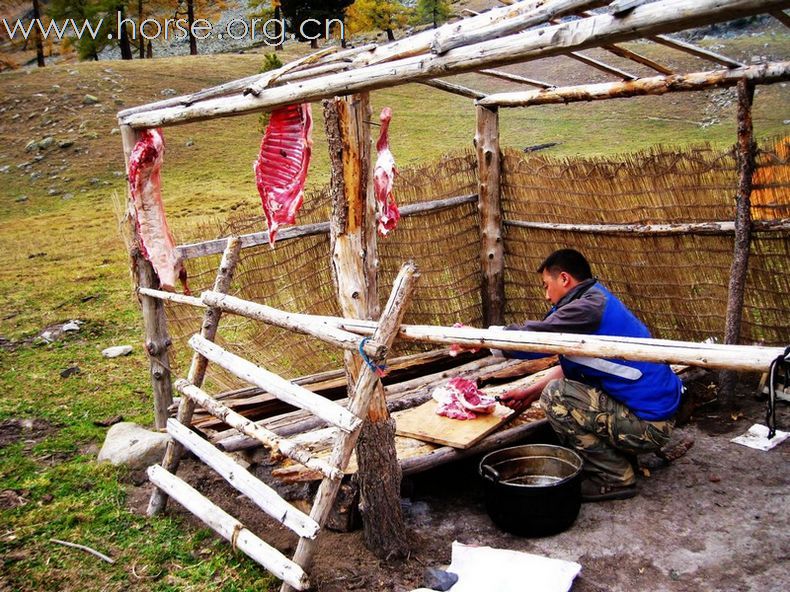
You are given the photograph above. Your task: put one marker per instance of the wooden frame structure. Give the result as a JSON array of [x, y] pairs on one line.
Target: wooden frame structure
[[483, 43]]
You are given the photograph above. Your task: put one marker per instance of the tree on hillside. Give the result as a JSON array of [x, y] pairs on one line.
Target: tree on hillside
[[39, 45], [433, 11], [296, 12], [385, 15]]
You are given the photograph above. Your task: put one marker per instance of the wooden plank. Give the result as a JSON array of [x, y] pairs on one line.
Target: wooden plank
[[424, 424], [240, 478], [283, 389], [229, 528]]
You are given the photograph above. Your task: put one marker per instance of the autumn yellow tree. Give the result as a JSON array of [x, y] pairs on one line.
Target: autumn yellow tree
[[385, 15]]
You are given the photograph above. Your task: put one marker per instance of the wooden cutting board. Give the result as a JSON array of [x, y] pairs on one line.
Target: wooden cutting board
[[422, 423]]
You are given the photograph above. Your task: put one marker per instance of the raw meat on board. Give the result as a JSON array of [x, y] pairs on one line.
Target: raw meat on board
[[461, 399], [383, 177], [145, 188], [281, 167], [456, 349]]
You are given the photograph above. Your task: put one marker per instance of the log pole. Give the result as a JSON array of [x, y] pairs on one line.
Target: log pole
[[743, 232], [492, 251], [157, 339], [197, 368]]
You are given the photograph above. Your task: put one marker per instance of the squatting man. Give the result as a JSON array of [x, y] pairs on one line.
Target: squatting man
[[607, 410]]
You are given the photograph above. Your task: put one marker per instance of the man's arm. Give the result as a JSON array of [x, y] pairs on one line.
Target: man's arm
[[520, 397]]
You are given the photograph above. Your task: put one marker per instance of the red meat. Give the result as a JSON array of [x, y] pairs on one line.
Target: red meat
[[383, 177], [461, 399], [281, 167], [156, 240]]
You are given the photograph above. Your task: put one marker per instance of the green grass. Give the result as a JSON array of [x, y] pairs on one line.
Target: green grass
[[64, 259]]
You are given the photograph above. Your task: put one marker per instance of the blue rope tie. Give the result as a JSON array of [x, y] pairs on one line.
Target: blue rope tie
[[379, 370]]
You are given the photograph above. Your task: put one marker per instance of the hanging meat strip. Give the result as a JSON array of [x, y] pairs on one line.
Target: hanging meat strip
[[145, 187], [281, 167], [383, 176]]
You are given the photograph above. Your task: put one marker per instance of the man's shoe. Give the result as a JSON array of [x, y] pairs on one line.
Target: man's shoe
[[592, 491]]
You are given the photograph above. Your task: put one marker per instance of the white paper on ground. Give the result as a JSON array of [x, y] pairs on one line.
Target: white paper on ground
[[504, 570], [757, 437]]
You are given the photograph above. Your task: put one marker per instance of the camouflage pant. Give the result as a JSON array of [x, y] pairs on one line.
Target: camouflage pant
[[604, 432]]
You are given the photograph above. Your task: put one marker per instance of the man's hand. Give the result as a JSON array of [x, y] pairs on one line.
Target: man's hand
[[520, 398]]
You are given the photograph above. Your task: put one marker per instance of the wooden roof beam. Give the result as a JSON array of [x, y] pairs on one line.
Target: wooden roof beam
[[696, 51], [455, 89], [656, 85], [598, 65], [651, 19], [638, 58], [515, 78]]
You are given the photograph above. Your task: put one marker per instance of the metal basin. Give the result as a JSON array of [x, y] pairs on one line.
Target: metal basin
[[532, 490]]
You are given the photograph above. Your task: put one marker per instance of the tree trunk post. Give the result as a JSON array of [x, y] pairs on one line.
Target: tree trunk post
[[191, 21], [141, 47], [123, 35], [492, 252], [39, 44], [743, 230], [353, 232], [157, 340]]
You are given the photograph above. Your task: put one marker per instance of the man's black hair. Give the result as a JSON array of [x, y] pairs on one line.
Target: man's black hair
[[568, 260]]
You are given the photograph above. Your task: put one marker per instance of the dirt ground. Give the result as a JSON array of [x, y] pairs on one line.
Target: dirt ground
[[715, 519]]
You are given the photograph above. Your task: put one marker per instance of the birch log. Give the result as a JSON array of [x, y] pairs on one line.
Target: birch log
[[197, 367], [245, 482], [492, 248], [157, 340], [294, 322], [747, 148], [229, 528], [654, 85], [657, 17]]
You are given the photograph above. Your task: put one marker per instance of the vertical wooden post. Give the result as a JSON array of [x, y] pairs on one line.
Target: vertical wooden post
[[157, 340], [743, 231], [354, 266], [492, 252]]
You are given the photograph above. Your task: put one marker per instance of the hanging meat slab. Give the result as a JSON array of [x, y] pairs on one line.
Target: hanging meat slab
[[281, 167], [383, 177], [145, 188]]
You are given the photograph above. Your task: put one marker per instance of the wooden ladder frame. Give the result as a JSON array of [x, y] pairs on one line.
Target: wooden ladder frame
[[348, 422]]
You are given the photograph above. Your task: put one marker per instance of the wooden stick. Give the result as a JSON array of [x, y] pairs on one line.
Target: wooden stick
[[455, 89], [229, 528], [286, 320], [696, 51], [284, 390], [515, 78], [638, 58], [655, 85], [249, 428], [254, 239], [197, 367], [492, 248], [240, 478], [93, 552], [173, 296], [654, 18], [781, 16], [363, 392], [703, 228], [747, 148]]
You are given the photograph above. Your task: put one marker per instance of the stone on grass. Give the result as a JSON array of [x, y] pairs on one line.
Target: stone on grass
[[133, 446], [117, 351], [90, 100], [46, 142]]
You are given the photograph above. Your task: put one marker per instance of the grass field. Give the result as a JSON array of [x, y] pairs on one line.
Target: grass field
[[61, 258]]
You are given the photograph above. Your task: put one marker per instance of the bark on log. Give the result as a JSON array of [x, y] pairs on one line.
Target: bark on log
[[655, 18], [747, 148], [157, 340], [654, 85], [492, 248], [197, 367]]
